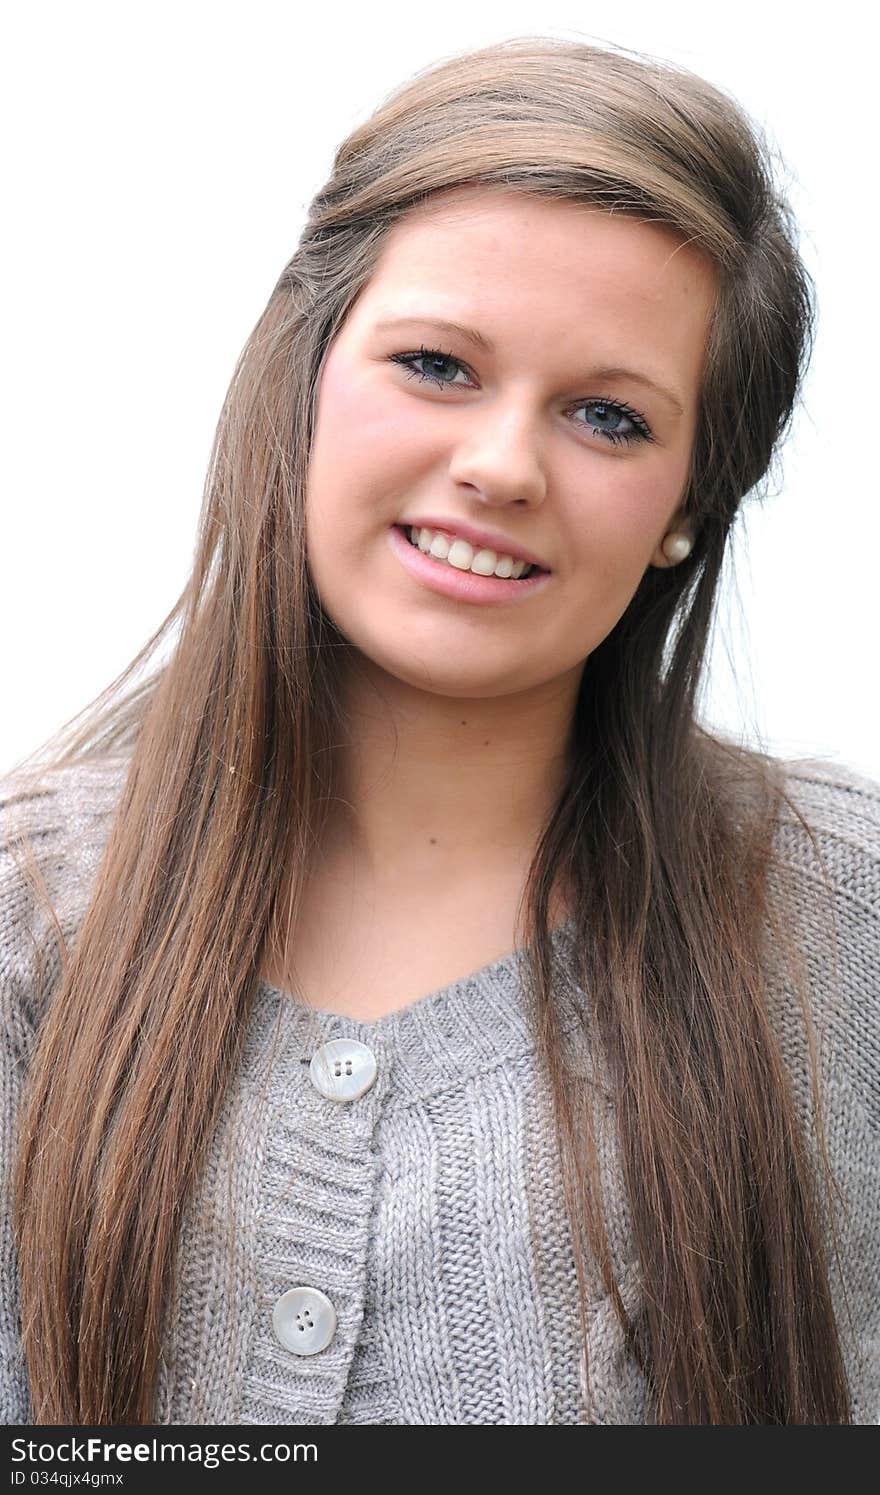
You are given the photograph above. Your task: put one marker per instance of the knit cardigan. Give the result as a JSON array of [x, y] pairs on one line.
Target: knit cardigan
[[407, 1206]]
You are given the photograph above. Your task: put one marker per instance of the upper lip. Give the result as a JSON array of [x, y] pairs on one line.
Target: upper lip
[[485, 538]]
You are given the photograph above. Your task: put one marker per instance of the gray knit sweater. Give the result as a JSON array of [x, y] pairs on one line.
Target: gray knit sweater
[[402, 1211]]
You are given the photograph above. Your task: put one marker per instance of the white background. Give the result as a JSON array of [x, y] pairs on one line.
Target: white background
[[161, 159]]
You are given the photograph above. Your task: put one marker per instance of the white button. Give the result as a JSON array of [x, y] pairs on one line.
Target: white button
[[304, 1320], [343, 1069]]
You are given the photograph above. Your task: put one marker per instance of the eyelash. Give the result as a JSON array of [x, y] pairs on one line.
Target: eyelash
[[641, 430]]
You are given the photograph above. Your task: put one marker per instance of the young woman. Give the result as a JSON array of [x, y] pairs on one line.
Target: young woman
[[412, 1013]]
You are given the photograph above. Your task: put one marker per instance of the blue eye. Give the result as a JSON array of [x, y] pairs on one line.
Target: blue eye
[[639, 428], [409, 360], [639, 431]]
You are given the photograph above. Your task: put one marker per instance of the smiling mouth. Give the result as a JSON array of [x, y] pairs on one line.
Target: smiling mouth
[[530, 568]]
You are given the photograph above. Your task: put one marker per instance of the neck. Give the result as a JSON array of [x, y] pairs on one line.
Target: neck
[[440, 790]]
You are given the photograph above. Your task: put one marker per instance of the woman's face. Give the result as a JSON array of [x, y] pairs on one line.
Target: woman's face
[[578, 310]]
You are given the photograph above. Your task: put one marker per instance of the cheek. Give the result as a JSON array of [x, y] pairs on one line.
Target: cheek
[[619, 519], [360, 472], [358, 433]]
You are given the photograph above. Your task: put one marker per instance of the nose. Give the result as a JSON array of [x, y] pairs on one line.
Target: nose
[[499, 456]]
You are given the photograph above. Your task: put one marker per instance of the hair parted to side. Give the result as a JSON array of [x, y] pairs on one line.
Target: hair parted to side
[[663, 830]]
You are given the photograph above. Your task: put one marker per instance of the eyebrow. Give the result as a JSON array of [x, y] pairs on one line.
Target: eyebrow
[[471, 335]]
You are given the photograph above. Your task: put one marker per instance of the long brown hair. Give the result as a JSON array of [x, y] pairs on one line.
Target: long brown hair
[[663, 830]]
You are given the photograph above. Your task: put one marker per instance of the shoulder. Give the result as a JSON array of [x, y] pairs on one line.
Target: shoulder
[[835, 912], [827, 842], [53, 828], [831, 871], [842, 806], [54, 824]]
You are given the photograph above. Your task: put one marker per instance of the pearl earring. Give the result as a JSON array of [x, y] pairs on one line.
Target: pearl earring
[[676, 547]]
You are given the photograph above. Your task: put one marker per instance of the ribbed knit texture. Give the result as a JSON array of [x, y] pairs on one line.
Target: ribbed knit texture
[[408, 1206]]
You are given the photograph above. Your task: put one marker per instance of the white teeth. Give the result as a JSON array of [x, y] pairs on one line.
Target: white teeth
[[465, 557]]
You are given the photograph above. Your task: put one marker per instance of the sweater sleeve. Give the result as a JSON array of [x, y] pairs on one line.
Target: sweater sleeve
[[63, 815], [16, 1042], [14, 1398], [843, 808]]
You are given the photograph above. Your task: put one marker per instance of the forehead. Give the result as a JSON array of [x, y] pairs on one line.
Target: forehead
[[508, 261], [514, 234]]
